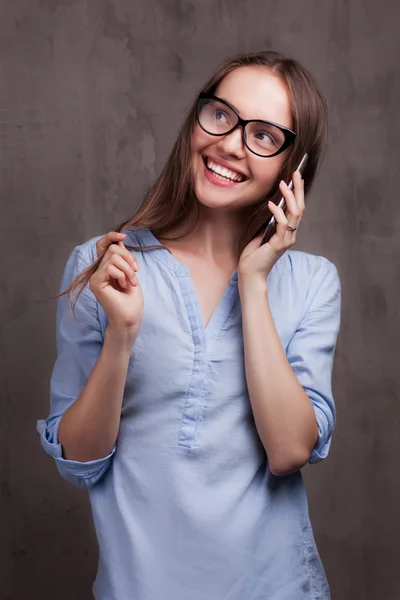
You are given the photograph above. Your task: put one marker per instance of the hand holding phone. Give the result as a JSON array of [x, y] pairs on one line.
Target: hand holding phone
[[271, 226]]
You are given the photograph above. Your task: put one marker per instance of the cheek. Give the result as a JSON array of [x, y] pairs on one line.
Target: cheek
[[265, 171], [200, 139]]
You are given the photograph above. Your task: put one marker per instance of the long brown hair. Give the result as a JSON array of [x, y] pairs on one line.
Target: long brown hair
[[171, 200]]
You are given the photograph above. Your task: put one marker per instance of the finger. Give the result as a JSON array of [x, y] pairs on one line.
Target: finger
[[112, 272], [293, 211], [298, 183], [129, 256], [122, 264], [281, 220], [103, 243], [285, 237], [119, 248], [255, 243]]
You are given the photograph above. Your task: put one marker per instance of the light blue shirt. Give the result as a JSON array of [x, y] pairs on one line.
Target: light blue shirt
[[185, 507]]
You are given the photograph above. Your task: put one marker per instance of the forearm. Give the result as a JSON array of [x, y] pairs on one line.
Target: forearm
[[283, 413], [89, 428]]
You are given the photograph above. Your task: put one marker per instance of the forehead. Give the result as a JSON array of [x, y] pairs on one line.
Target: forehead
[[257, 93]]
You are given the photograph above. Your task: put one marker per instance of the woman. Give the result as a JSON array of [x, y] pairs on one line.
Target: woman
[[196, 382]]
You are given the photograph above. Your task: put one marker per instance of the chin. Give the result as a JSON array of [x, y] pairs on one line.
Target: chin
[[214, 196], [215, 203]]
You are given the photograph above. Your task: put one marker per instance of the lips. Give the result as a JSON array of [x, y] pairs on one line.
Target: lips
[[222, 172]]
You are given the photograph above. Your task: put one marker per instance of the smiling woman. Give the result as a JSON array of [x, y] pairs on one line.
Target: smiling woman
[[198, 381], [242, 138]]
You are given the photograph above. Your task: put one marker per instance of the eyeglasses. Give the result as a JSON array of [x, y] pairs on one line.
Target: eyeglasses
[[263, 138]]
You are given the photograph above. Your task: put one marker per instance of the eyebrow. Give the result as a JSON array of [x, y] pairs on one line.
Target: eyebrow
[[234, 107], [260, 120], [230, 104]]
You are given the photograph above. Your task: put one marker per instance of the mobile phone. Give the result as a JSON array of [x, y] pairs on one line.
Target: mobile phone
[[271, 225]]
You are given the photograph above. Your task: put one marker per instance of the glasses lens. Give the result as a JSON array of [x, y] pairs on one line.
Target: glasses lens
[[215, 117], [263, 138]]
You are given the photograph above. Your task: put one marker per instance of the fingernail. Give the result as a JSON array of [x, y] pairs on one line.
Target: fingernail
[[283, 183], [122, 234]]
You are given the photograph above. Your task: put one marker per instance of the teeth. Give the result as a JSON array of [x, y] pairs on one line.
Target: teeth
[[224, 171]]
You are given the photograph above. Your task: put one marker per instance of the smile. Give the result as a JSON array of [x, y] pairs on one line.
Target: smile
[[222, 173]]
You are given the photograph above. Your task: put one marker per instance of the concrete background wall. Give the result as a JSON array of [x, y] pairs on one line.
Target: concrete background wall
[[91, 97]]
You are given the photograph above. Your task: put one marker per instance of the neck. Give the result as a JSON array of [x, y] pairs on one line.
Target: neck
[[214, 236]]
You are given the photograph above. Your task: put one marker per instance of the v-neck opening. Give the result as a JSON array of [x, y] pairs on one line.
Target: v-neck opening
[[222, 309], [205, 340], [226, 302]]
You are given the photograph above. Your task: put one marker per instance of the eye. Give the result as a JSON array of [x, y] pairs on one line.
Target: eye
[[220, 116], [265, 138], [216, 118]]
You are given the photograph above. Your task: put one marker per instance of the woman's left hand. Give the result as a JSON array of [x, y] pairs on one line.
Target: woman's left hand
[[257, 261]]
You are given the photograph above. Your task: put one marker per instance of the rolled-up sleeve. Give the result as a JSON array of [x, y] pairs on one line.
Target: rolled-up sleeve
[[78, 347], [311, 352]]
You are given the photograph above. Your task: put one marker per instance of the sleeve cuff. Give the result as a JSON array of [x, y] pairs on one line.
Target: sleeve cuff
[[324, 437], [81, 474]]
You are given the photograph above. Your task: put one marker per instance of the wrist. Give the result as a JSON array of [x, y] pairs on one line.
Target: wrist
[[121, 338], [253, 284]]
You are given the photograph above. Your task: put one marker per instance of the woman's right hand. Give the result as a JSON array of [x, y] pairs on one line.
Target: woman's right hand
[[115, 284]]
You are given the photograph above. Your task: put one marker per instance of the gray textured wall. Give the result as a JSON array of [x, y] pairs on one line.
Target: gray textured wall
[[91, 96]]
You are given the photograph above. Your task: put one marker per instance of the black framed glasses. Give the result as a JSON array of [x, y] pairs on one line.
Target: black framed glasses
[[263, 138]]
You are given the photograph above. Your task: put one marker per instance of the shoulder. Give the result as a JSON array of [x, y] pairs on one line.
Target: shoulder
[[310, 263], [308, 278], [308, 268], [86, 253]]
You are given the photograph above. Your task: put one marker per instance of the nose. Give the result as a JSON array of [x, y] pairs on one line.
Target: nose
[[232, 144]]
